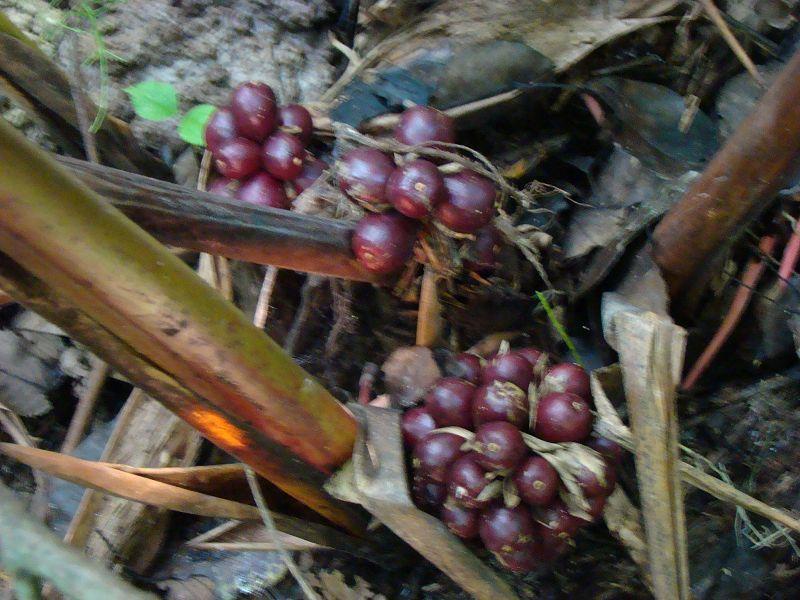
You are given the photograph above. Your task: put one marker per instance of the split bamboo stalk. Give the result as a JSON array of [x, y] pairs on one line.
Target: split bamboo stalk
[[145, 297]]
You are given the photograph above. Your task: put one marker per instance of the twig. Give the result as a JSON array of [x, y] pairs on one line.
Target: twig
[[752, 274], [719, 21], [266, 516], [264, 296], [791, 254], [429, 314], [559, 328], [86, 403], [311, 284], [79, 100]]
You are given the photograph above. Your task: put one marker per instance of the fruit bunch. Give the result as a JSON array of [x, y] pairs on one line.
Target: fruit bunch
[[259, 148], [503, 451], [404, 191]]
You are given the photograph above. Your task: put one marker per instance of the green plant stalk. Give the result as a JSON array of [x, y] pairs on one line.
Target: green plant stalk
[[559, 328], [127, 282], [29, 550], [7, 26], [256, 450]]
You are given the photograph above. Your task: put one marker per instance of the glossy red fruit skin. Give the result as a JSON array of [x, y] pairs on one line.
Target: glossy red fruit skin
[[223, 186], [298, 119], [466, 366], [415, 188], [460, 520], [383, 243], [590, 483], [500, 401], [484, 251], [450, 402], [610, 450], [282, 155], [558, 524], [537, 481], [499, 446], [312, 170], [221, 127], [434, 454], [468, 203], [263, 190], [562, 417], [522, 560], [237, 158], [597, 505], [254, 110], [532, 355], [466, 480], [509, 367], [363, 173], [415, 424], [570, 378], [504, 529], [428, 495], [421, 124]]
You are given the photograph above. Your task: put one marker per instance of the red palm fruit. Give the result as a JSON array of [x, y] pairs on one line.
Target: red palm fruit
[[434, 454], [563, 417], [499, 445], [537, 481], [500, 401], [509, 367], [254, 110], [450, 402], [570, 378]]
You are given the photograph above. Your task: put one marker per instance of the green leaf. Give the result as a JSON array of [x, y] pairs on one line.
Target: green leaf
[[193, 124], [154, 100]]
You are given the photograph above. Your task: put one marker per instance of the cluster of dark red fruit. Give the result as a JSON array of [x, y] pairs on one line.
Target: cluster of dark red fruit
[[401, 195], [259, 148], [472, 464]]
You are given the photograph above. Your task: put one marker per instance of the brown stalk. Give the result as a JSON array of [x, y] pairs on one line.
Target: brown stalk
[[734, 189], [206, 222]]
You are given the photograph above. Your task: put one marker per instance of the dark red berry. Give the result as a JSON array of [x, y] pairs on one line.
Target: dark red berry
[[591, 484], [450, 402], [468, 204], [499, 445], [466, 366], [421, 124], [505, 529], [415, 188], [568, 377], [500, 401], [416, 424], [434, 454], [509, 367], [551, 548], [483, 251], [363, 173], [283, 155], [521, 560], [220, 128], [312, 170], [466, 480], [428, 495], [295, 119], [610, 450], [263, 190], [558, 524], [254, 110], [532, 355], [596, 506], [462, 521], [237, 158], [537, 481], [562, 417], [223, 186], [383, 243]]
